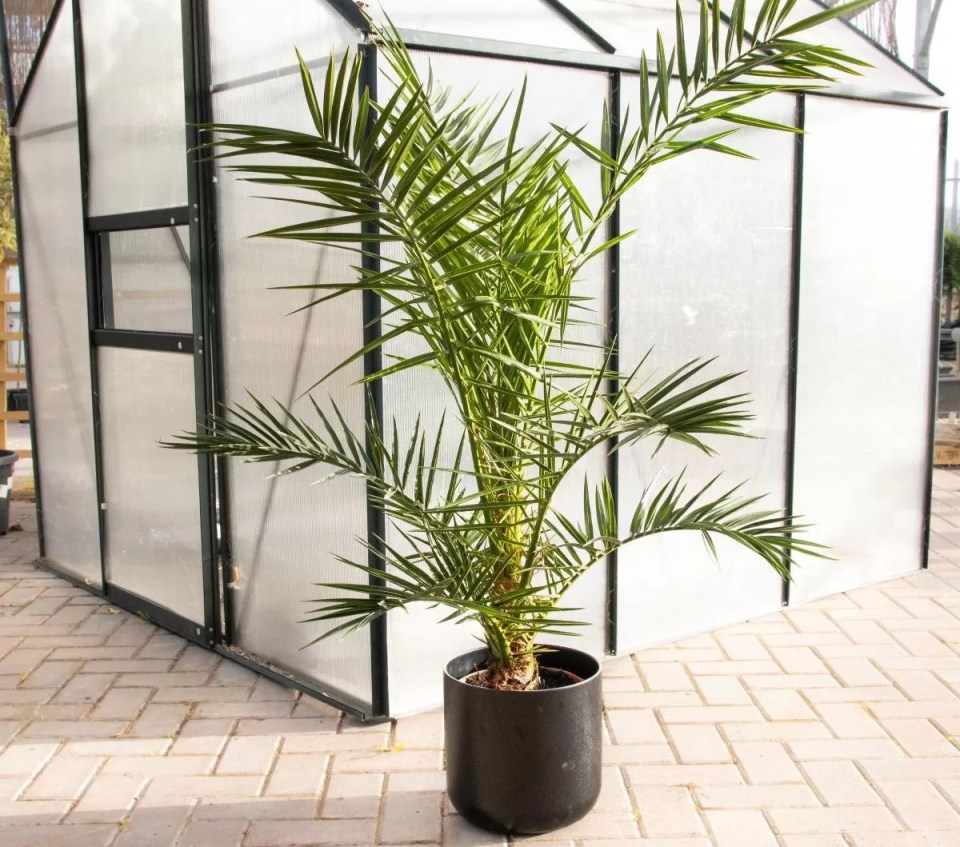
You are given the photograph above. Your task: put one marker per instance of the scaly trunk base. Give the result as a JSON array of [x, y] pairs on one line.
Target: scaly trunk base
[[522, 674]]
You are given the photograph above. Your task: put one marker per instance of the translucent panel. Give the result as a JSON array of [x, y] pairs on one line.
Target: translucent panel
[[152, 494], [864, 348], [250, 37], [520, 21], [418, 644], [50, 104], [885, 74], [148, 286], [26, 22], [286, 533], [708, 275], [632, 25], [133, 50], [53, 261]]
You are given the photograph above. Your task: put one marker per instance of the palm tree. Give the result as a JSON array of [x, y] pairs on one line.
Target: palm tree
[[483, 242]]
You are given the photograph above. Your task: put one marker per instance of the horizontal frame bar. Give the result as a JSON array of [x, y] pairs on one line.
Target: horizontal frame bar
[[491, 49], [163, 342], [333, 698], [47, 130], [152, 219], [159, 615], [265, 76], [50, 566]]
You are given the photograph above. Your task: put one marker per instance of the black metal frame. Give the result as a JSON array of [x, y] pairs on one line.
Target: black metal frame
[[612, 342], [935, 340], [204, 344], [24, 309], [93, 296], [581, 26], [373, 414], [150, 219], [794, 325]]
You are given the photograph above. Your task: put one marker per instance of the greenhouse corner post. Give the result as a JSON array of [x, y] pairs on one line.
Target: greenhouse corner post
[[24, 314], [793, 325], [90, 264], [203, 265], [935, 338], [373, 408], [612, 342]]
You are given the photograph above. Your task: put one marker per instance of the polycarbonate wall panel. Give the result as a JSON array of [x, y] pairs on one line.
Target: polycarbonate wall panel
[[53, 260], [285, 533], [520, 21], [133, 53], [149, 280], [262, 36], [632, 27], [151, 493], [418, 644], [883, 75], [707, 275], [863, 390]]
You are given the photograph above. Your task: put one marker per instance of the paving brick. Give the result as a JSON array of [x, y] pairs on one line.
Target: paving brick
[[253, 755], [755, 796], [421, 781], [840, 784], [920, 805], [108, 799], [843, 749], [297, 774], [163, 787], [421, 731], [63, 778], [850, 720], [159, 720], [49, 674], [75, 835], [919, 737], [308, 833], [765, 762], [839, 819], [699, 743], [74, 729], [667, 812], [84, 688], [353, 796], [153, 825], [411, 817], [635, 726], [213, 834], [783, 704], [685, 775], [735, 828], [197, 737], [122, 703], [664, 677], [723, 691], [356, 761], [159, 765]]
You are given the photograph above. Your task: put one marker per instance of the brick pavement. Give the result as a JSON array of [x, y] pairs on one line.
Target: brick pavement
[[832, 725]]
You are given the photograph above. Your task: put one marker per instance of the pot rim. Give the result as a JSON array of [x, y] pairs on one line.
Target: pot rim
[[482, 651]]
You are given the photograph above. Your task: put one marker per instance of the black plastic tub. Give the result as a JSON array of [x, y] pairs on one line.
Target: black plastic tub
[[524, 762], [8, 458]]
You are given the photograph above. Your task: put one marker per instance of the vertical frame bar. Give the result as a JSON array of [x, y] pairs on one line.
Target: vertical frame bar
[[793, 330], [612, 343], [24, 309], [372, 362], [93, 286], [202, 262], [935, 339]]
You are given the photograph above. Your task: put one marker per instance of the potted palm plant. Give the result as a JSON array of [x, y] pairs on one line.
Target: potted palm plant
[[479, 242]]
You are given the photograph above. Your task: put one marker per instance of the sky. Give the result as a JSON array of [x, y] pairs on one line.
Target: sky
[[944, 60]]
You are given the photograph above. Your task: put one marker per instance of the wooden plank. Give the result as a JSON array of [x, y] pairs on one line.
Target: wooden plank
[[14, 416], [25, 454], [13, 376], [11, 336], [9, 296]]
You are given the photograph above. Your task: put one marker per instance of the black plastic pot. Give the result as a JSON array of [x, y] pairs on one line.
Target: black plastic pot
[[523, 762], [8, 458]]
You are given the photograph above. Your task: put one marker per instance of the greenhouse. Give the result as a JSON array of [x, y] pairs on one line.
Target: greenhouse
[[812, 268]]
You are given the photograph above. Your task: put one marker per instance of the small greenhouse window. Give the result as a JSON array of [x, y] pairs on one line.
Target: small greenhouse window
[[518, 21], [145, 278]]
